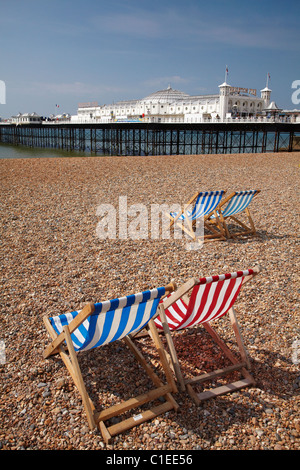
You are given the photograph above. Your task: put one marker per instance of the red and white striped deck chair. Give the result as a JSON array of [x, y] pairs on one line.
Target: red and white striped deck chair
[[210, 298]]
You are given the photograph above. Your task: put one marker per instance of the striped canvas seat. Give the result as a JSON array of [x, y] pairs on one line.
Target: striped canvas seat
[[100, 324], [206, 202], [176, 314], [112, 319], [210, 298], [236, 203], [204, 206]]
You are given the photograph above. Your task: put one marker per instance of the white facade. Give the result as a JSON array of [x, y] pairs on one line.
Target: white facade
[[26, 118], [171, 105]]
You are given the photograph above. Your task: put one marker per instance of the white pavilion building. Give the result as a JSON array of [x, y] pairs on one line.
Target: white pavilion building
[[173, 106]]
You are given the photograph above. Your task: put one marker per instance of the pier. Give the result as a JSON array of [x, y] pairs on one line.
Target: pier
[[132, 138]]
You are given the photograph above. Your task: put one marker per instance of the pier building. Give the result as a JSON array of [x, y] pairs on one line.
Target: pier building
[[26, 118], [174, 106]]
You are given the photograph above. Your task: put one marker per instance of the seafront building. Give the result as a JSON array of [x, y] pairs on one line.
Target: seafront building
[[26, 118], [34, 118], [175, 106]]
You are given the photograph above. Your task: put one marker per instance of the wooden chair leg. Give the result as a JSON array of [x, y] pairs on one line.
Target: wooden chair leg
[[79, 380], [71, 363], [238, 336], [251, 221], [171, 347], [223, 222], [163, 358]]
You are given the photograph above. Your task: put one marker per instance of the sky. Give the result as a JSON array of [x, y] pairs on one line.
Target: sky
[[58, 53]]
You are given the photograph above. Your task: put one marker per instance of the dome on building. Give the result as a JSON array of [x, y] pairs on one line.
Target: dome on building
[[166, 96]]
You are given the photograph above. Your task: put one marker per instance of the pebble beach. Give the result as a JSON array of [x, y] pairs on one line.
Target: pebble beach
[[53, 261]]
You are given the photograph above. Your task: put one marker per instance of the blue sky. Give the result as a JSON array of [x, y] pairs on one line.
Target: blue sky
[[70, 51]]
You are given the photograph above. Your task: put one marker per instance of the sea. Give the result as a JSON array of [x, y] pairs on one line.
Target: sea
[[21, 151]]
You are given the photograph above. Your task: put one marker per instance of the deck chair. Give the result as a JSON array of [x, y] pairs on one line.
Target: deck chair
[[204, 206], [236, 203], [102, 323], [210, 298]]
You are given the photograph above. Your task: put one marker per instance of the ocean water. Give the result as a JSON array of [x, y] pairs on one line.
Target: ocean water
[[21, 151]]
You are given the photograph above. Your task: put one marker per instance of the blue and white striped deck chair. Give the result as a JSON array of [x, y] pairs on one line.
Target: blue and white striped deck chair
[[100, 324], [204, 206], [237, 203]]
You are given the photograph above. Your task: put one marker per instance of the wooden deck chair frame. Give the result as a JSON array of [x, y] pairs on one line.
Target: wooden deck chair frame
[[241, 364], [245, 229], [98, 418], [216, 228]]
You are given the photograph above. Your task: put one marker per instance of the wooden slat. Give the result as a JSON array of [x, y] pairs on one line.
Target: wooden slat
[[138, 419], [120, 408], [224, 389], [105, 433], [213, 375]]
